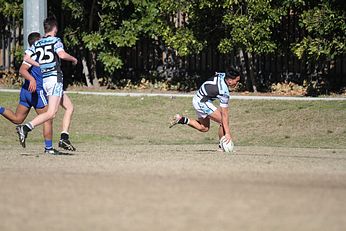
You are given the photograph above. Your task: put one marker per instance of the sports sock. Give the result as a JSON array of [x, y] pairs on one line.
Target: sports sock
[[64, 136], [28, 127], [184, 120], [2, 110], [48, 144]]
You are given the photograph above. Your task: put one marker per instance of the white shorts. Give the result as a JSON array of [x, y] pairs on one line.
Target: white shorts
[[203, 109], [53, 88]]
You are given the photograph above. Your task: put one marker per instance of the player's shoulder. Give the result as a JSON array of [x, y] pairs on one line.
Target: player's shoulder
[[28, 51], [48, 39], [56, 39]]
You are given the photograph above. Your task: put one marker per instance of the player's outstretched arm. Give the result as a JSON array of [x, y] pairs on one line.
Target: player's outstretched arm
[[65, 56], [29, 60], [24, 71], [225, 122]]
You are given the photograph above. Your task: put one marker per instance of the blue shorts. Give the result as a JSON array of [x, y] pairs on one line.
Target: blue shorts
[[37, 100]]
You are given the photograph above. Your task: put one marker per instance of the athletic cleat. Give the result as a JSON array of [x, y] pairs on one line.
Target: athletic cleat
[[21, 134], [66, 144], [51, 151], [175, 120]]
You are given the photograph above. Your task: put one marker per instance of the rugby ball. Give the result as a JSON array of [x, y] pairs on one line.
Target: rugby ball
[[226, 147]]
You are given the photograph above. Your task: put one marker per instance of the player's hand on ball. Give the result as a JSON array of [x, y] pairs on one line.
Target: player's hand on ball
[[227, 138]]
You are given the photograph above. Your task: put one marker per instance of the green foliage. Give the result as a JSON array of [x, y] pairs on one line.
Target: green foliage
[[123, 23], [105, 27], [250, 25], [12, 8], [184, 41], [326, 32], [18, 53], [75, 7], [92, 41], [110, 61]]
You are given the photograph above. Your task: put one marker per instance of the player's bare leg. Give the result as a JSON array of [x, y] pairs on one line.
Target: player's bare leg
[[48, 133], [68, 107], [217, 117], [47, 126], [53, 106], [202, 124], [64, 142], [221, 131], [16, 117]]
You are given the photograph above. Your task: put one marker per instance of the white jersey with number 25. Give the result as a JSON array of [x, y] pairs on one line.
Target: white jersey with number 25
[[47, 49]]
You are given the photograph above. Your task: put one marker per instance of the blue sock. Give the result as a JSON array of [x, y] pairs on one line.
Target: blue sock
[[2, 110], [48, 144]]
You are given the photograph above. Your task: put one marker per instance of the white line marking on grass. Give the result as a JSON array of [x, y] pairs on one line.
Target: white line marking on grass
[[240, 97]]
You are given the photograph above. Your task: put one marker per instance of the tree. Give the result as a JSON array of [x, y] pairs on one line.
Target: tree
[[82, 22], [324, 23], [11, 15], [249, 29]]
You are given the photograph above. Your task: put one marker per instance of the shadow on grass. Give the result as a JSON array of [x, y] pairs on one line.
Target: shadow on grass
[[46, 154], [208, 151]]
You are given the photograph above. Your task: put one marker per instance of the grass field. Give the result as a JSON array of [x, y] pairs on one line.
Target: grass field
[[107, 120], [133, 173]]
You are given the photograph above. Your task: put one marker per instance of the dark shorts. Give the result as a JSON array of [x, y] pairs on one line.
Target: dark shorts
[[37, 100]]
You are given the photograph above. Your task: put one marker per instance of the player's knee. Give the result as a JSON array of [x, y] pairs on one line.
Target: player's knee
[[70, 109], [51, 114], [17, 121]]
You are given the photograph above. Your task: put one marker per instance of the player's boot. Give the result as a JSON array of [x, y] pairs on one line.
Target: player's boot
[[51, 151], [175, 120], [66, 144], [22, 134], [179, 119]]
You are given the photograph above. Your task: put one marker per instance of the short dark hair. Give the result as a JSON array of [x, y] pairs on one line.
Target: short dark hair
[[232, 73], [33, 37], [49, 23]]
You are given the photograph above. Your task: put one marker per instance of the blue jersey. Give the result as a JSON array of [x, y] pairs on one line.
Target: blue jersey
[[36, 73], [47, 49], [214, 88]]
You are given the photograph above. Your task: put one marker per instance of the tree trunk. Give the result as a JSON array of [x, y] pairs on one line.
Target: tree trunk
[[252, 68], [93, 68], [244, 69], [92, 55], [86, 72], [250, 71], [85, 69], [91, 15]]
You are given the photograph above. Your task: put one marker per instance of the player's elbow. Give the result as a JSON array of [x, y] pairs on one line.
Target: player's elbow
[[22, 70], [62, 55]]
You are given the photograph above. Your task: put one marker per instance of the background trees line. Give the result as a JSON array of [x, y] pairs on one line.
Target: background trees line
[[105, 34]]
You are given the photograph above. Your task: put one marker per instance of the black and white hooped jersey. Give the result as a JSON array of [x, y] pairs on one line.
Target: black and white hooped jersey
[[214, 88], [47, 49]]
